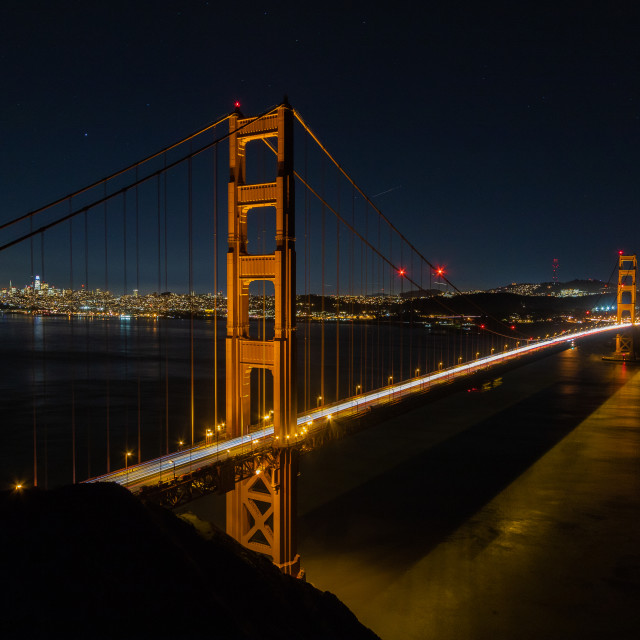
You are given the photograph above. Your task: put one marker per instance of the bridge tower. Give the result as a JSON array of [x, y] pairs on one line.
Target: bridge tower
[[626, 304], [261, 510]]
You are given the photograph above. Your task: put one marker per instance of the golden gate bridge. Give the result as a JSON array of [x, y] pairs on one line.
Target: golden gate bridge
[[329, 308]]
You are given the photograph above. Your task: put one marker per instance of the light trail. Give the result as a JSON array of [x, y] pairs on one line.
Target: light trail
[[171, 466]]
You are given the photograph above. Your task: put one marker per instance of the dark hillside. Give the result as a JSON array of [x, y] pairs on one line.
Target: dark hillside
[[91, 561]]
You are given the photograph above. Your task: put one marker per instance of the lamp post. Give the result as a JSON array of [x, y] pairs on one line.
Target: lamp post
[[126, 465], [174, 467], [318, 401]]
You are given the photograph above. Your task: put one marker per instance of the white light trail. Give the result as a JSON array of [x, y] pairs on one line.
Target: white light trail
[[181, 462]]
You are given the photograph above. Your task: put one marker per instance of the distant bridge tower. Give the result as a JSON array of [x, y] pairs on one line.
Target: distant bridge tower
[[626, 304], [261, 510]]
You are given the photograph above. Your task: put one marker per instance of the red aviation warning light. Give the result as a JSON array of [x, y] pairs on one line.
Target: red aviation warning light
[[236, 104], [620, 252], [401, 272]]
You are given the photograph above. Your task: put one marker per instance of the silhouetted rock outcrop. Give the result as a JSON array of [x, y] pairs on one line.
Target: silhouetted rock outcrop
[[91, 561]]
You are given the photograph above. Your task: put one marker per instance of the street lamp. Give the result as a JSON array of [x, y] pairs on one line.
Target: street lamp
[[174, 467], [318, 401], [208, 434], [417, 372], [126, 464]]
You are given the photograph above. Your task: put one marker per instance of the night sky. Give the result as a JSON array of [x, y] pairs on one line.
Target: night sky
[[501, 135]]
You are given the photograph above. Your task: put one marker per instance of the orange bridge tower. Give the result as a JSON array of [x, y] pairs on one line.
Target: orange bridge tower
[[626, 305], [261, 510]]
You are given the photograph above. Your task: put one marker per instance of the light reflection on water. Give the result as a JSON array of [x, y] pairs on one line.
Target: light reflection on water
[[509, 524]]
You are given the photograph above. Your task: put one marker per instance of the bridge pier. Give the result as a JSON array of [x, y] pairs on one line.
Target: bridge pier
[[261, 510]]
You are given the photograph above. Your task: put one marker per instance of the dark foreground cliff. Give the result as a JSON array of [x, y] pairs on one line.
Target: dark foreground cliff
[[91, 561]]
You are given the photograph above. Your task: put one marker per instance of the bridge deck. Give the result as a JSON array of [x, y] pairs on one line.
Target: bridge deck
[[174, 465]]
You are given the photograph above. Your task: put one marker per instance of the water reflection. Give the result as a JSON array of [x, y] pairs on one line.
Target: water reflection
[[495, 526]]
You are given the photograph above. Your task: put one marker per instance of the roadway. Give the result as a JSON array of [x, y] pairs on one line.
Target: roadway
[[171, 466]]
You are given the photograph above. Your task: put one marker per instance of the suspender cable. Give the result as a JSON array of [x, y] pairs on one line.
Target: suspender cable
[[73, 366], [307, 325], [190, 227], [322, 299], [390, 322], [338, 302], [33, 381], [106, 242], [106, 328], [86, 339], [158, 291], [351, 295], [165, 325], [138, 322], [363, 275], [137, 234], [402, 269], [70, 251], [124, 238], [125, 333], [44, 373], [380, 281], [215, 287]]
